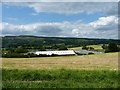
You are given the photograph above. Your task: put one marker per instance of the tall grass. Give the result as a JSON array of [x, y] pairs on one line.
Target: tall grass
[[59, 79]]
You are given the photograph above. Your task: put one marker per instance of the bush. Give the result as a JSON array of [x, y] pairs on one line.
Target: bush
[[22, 55], [32, 55], [43, 55], [21, 50], [91, 48], [17, 50], [87, 48], [54, 55], [14, 55], [90, 53], [84, 47], [63, 48], [104, 46]]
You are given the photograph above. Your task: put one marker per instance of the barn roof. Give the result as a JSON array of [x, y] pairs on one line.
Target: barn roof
[[62, 52], [86, 52]]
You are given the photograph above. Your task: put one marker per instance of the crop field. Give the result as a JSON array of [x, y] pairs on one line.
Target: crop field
[[87, 71]]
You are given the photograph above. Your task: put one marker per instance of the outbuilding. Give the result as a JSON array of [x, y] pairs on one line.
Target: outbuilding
[[61, 52]]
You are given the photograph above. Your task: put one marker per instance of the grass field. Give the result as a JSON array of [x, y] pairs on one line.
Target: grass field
[[96, 47], [87, 71], [106, 61], [59, 79]]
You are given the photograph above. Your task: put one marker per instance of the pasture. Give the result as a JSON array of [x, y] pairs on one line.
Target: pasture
[[86, 71], [59, 79], [96, 47]]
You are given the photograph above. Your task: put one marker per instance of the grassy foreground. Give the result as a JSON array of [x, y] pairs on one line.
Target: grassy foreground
[[59, 78], [89, 71]]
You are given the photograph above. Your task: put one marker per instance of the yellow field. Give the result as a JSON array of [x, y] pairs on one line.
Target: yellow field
[[75, 48], [94, 46], [107, 61]]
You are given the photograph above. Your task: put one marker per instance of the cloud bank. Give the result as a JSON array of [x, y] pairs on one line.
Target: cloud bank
[[104, 27], [70, 8]]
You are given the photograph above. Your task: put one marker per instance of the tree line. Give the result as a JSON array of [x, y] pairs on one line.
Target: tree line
[[20, 46]]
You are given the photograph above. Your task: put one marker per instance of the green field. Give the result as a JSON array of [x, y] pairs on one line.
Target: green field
[[59, 79], [96, 47], [86, 71]]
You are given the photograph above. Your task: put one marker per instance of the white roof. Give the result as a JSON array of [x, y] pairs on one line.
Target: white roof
[[86, 51], [62, 52]]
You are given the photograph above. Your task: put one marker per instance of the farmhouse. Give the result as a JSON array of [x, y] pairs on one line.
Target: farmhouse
[[62, 52]]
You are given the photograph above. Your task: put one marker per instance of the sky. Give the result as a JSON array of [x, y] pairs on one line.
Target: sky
[[60, 19]]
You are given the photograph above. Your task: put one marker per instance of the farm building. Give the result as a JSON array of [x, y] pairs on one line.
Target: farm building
[[62, 52], [86, 52], [66, 52]]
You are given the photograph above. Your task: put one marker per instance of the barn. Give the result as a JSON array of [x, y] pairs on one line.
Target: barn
[[62, 52], [86, 52]]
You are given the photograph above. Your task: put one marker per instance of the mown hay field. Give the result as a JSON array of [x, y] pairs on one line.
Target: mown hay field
[[87, 71], [106, 61]]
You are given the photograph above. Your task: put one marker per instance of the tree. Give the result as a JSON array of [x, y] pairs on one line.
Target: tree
[[21, 50], [104, 46], [55, 46], [63, 48], [84, 47], [42, 48], [91, 48], [112, 47]]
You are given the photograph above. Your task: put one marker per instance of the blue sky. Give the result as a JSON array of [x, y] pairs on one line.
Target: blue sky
[[84, 20], [25, 15]]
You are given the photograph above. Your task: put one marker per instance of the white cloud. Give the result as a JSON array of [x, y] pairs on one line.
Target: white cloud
[[105, 23], [102, 21], [69, 8], [104, 27], [42, 29], [60, 0]]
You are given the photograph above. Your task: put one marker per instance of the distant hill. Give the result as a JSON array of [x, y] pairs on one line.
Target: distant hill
[[34, 41]]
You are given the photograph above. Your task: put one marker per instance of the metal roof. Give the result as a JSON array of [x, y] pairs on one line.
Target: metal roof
[[62, 52]]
